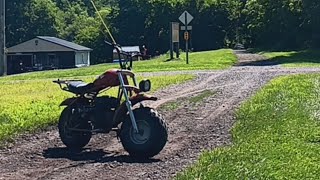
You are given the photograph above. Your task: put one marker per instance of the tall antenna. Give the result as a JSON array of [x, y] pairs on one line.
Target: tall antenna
[[3, 58], [104, 24]]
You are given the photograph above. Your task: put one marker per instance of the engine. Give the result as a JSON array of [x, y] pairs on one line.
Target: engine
[[103, 112]]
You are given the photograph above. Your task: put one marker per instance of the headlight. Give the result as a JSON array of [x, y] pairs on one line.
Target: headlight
[[145, 85]]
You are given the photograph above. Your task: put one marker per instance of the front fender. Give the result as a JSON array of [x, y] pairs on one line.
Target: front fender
[[122, 111], [141, 97]]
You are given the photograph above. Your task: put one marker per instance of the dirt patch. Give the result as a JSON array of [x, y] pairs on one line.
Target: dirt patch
[[193, 127]]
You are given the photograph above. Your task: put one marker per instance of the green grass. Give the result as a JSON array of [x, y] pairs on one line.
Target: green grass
[[307, 58], [29, 105], [277, 136], [200, 97], [218, 59], [174, 105]]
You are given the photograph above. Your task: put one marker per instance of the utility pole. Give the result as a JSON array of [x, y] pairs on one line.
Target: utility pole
[[3, 57]]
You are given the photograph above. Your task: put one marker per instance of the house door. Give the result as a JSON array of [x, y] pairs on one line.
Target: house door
[[53, 61]]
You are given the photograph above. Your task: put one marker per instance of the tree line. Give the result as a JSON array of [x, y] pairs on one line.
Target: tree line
[[276, 24]]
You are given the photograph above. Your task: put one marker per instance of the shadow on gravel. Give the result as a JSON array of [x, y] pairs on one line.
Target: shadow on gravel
[[259, 63], [298, 57], [92, 156]]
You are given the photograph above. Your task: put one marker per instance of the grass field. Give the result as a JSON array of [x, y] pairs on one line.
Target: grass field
[[277, 136], [219, 59], [307, 58], [28, 105]]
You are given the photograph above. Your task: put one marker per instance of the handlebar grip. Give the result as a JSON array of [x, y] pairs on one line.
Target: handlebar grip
[[109, 43], [116, 46]]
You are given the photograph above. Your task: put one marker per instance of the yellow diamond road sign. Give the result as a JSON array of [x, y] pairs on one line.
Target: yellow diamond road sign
[[186, 17]]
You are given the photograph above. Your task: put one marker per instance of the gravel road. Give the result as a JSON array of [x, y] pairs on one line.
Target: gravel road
[[193, 127]]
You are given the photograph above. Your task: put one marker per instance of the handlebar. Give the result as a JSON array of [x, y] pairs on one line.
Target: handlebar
[[129, 56]]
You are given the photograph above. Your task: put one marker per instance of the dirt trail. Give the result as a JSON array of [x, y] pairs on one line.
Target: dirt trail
[[193, 128]]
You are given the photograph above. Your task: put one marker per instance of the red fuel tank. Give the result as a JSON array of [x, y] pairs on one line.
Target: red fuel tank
[[109, 79]]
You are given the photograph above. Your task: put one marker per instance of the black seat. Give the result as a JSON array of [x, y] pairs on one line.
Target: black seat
[[79, 87]]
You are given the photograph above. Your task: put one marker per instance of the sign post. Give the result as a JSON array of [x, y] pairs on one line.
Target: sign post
[[187, 41], [174, 38], [186, 18]]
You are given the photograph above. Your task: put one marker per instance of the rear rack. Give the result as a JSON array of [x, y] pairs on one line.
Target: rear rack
[[65, 82]]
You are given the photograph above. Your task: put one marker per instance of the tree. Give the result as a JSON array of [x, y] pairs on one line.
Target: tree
[[311, 22], [274, 24], [16, 22]]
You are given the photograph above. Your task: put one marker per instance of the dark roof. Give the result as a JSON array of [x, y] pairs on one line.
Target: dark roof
[[64, 43]]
